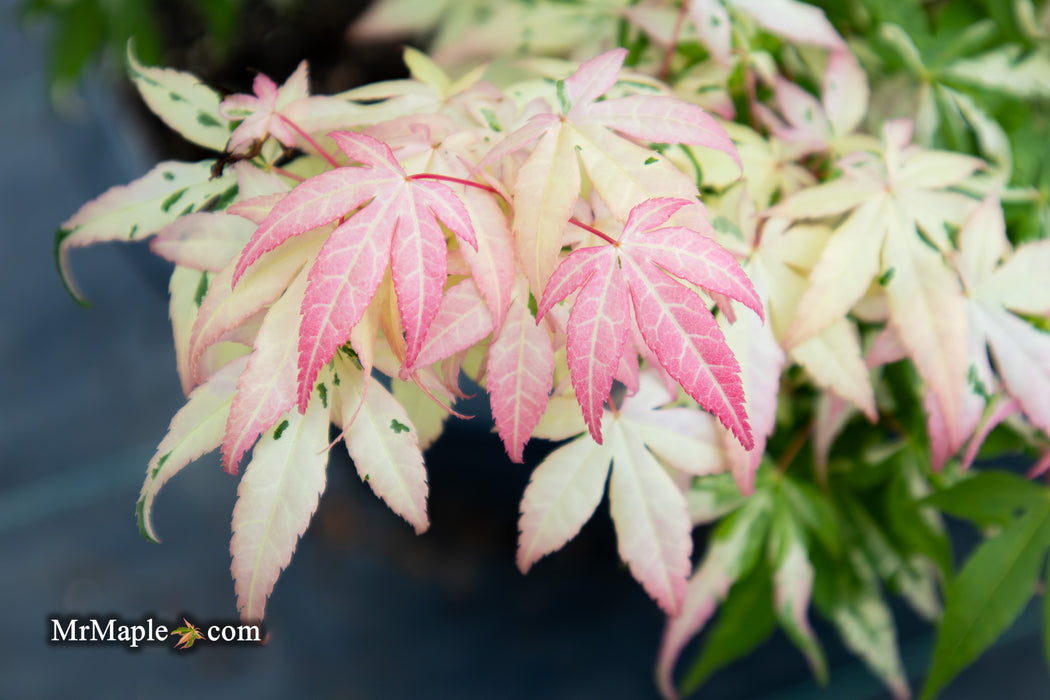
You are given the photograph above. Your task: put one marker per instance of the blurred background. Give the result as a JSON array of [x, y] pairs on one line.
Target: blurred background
[[366, 609]]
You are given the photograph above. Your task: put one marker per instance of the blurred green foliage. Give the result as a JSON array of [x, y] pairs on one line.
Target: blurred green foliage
[[86, 31]]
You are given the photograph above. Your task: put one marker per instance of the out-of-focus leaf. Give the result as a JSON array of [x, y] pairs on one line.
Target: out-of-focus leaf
[[990, 498], [80, 33], [711, 497], [992, 589], [906, 13], [137, 20], [815, 512], [1046, 617], [735, 548], [914, 523], [851, 599], [905, 574], [221, 18], [745, 621], [181, 101], [793, 586], [1009, 69]]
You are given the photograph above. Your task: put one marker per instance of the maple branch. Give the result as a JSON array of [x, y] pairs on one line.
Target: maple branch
[[287, 173], [478, 185], [752, 94], [665, 66], [791, 451], [449, 178], [595, 231], [894, 424], [306, 137]]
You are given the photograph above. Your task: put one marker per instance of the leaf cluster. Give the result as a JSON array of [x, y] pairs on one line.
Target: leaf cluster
[[773, 266]]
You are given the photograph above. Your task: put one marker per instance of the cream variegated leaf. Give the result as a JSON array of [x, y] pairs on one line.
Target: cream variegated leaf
[[223, 309], [276, 500], [730, 554], [561, 496], [761, 361], [793, 576], [651, 518], [136, 211], [646, 438], [204, 240], [195, 430], [427, 416], [183, 102], [383, 444], [184, 297], [927, 310]]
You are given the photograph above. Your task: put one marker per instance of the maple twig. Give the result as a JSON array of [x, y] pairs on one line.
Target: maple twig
[[792, 450], [752, 97], [306, 137], [665, 67], [288, 174], [595, 231], [449, 178], [893, 424], [469, 183]]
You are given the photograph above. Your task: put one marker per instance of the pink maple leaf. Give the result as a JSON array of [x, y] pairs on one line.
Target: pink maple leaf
[[261, 112], [520, 365], [603, 136], [827, 124], [389, 216], [283, 113], [674, 323]]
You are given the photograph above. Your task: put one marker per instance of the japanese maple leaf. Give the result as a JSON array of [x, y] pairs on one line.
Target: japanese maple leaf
[[383, 443], [462, 321], [282, 111], [520, 365], [195, 430], [761, 361], [995, 293], [260, 113], [276, 499], [649, 511], [462, 32], [782, 254], [430, 91], [674, 323], [398, 220], [770, 167], [827, 124], [622, 172], [266, 388], [797, 21], [432, 143], [890, 200]]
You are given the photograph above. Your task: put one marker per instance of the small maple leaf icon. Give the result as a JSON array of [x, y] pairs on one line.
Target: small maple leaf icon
[[187, 635]]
